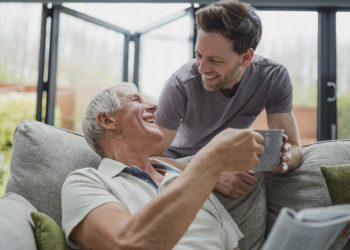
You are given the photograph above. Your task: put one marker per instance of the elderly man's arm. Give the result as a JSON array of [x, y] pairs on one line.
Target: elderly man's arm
[[291, 151], [161, 223]]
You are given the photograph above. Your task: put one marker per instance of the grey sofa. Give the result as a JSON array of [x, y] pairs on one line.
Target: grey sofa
[[44, 155]]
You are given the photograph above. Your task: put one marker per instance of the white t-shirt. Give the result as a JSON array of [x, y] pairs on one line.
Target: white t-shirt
[[88, 188]]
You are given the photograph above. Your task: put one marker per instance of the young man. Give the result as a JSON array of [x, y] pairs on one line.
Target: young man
[[128, 203], [228, 86], [225, 86]]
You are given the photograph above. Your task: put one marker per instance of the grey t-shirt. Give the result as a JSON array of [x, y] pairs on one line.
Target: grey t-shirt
[[198, 115]]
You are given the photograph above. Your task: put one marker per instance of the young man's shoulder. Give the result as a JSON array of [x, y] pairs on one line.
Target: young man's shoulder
[[264, 66], [187, 72], [264, 61]]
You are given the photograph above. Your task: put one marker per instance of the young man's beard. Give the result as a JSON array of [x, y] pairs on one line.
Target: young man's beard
[[228, 79]]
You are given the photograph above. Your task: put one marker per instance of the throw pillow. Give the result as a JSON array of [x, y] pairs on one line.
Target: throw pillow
[[42, 158], [338, 183], [48, 233]]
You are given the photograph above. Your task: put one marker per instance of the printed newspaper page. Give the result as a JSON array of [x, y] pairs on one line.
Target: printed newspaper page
[[313, 229]]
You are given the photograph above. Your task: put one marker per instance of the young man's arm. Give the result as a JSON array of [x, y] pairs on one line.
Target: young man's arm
[[291, 149], [233, 185], [161, 223]]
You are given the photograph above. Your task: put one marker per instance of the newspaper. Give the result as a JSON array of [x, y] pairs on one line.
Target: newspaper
[[324, 228]]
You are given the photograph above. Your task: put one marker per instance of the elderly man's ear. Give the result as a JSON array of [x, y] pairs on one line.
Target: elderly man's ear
[[106, 121]]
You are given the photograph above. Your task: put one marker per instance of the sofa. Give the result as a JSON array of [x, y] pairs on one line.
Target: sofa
[[44, 155]]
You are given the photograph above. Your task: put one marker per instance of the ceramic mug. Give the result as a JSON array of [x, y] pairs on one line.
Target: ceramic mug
[[273, 145]]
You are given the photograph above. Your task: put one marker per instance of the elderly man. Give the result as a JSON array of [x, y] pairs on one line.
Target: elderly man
[[131, 202]]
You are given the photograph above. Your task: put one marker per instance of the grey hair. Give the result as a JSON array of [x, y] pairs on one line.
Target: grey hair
[[106, 101]]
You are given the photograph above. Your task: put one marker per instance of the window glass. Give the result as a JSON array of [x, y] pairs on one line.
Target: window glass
[[19, 43], [91, 57], [343, 74], [290, 38], [19, 54], [130, 16], [163, 51]]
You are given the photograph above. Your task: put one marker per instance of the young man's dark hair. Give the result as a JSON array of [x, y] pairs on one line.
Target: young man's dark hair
[[235, 20]]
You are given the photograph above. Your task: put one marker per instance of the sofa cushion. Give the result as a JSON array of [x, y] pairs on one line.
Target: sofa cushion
[[248, 212], [49, 234], [42, 157], [16, 226], [338, 182], [305, 187]]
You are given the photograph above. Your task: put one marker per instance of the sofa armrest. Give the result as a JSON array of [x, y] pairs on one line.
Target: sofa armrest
[[17, 229]]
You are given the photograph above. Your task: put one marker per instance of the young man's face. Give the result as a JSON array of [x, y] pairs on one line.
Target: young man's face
[[218, 64], [136, 117]]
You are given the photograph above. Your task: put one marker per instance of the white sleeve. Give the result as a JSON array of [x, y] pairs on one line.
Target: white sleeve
[[232, 234], [83, 191]]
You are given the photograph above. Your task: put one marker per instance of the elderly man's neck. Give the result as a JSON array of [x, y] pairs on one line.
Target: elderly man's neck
[[132, 156], [132, 160], [129, 155]]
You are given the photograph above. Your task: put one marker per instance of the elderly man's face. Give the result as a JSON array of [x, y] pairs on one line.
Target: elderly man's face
[[136, 117]]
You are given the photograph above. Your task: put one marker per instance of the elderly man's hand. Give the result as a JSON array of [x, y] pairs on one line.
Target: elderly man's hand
[[235, 185], [233, 150], [282, 166]]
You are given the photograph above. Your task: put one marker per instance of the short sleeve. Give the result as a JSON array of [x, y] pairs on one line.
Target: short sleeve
[[82, 191], [172, 104], [280, 99]]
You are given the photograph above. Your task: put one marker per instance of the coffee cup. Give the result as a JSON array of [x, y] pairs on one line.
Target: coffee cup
[[273, 140]]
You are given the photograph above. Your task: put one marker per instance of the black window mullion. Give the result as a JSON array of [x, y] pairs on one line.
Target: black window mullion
[[327, 106]]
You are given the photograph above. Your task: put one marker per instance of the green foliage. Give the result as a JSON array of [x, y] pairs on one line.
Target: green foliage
[[343, 116], [3, 177], [17, 107], [4, 169]]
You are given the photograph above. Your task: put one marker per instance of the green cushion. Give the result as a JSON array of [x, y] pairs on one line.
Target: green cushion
[[338, 183], [48, 234]]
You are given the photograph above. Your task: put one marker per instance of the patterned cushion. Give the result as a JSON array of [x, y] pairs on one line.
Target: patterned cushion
[[305, 187], [41, 160], [16, 226]]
